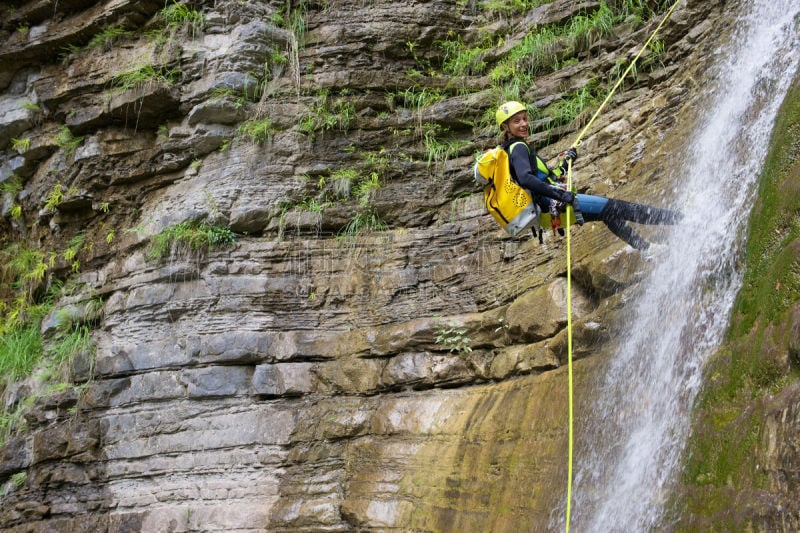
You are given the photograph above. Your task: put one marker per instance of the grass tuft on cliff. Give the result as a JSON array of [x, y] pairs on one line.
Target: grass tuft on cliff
[[190, 235]]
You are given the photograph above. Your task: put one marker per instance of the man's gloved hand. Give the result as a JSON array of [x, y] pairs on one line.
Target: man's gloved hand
[[570, 154], [562, 195], [569, 197]]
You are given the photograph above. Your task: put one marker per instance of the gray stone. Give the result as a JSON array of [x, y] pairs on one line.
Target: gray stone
[[251, 219], [215, 381], [283, 379], [235, 347], [14, 118], [221, 111]]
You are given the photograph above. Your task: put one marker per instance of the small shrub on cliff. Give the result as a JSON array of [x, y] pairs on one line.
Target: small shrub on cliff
[[67, 141], [574, 104], [18, 479], [22, 270], [68, 345], [11, 186], [21, 145], [178, 16], [510, 6], [438, 151], [460, 60], [75, 246], [453, 339], [56, 196], [104, 40], [11, 420], [143, 75], [191, 235], [257, 130], [20, 349], [585, 30], [366, 220], [327, 114], [417, 99], [31, 106]]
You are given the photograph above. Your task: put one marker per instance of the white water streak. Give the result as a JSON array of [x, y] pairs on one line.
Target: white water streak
[[638, 427]]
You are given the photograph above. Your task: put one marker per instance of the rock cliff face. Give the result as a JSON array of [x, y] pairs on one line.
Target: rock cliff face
[[372, 353]]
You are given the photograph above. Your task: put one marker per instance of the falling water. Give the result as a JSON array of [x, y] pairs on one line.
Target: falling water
[[639, 422]]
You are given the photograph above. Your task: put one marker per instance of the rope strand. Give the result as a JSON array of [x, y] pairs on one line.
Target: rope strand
[[569, 259]]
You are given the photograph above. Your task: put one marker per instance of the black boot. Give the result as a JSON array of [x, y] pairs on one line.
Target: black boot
[[623, 231]]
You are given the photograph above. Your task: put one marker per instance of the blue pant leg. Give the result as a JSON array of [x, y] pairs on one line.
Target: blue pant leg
[[591, 206]]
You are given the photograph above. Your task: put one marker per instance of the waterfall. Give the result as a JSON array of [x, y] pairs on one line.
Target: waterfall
[[630, 444]]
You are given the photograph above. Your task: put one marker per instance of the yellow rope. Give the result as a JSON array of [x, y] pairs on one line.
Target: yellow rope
[[569, 258], [569, 345]]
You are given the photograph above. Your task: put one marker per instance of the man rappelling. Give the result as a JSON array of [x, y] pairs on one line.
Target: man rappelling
[[521, 191]]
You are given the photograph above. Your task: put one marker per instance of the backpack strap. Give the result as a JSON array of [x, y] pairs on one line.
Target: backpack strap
[[542, 171]]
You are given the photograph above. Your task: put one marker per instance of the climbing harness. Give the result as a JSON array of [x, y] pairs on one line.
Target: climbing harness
[[569, 259]]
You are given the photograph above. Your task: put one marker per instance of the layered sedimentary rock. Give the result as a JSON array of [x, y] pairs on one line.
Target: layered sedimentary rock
[[306, 378]]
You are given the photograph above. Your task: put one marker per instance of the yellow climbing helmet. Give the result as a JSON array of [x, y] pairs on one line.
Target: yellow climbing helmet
[[507, 110]]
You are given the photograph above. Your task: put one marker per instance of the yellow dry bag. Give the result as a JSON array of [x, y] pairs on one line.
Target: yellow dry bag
[[510, 205]]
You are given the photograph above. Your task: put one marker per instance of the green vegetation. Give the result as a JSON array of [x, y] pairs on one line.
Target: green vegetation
[[69, 344], [67, 141], [56, 196], [104, 40], [549, 48], [23, 350], [536, 51], [257, 130], [21, 145], [453, 339], [22, 271], [417, 99], [772, 279], [509, 7], [574, 104], [327, 113], [29, 296], [179, 16], [292, 18], [438, 151], [585, 30], [364, 221], [461, 61], [11, 186], [18, 479], [143, 75], [343, 180], [274, 65], [21, 346], [655, 56], [192, 235], [348, 184], [365, 188], [30, 106], [75, 246]]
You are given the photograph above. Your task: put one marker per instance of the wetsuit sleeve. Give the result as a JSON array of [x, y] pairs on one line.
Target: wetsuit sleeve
[[526, 177]]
